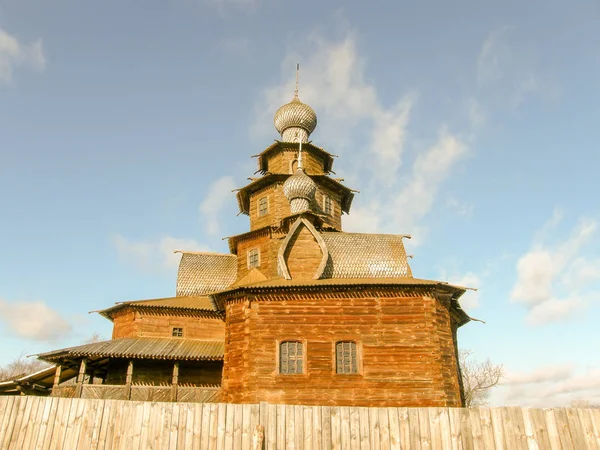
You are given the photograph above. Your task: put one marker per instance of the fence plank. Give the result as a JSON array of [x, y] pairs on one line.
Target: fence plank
[[476, 432], [290, 427], [365, 435], [229, 427], [434, 427], [595, 421], [446, 436], [562, 426], [487, 430], [88, 420], [47, 423], [384, 429], [540, 431], [281, 427], [238, 421], [13, 442], [345, 427], [374, 429], [576, 428], [326, 426], [174, 428], [221, 422], [307, 420], [394, 428], [145, 426], [424, 431], [354, 428], [62, 413], [271, 431], [205, 418], [317, 431], [336, 427], [404, 425], [413, 430], [532, 442], [33, 425], [7, 405], [299, 427]]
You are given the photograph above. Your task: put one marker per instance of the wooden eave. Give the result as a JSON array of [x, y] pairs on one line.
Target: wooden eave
[[308, 146], [345, 284], [243, 194], [233, 240]]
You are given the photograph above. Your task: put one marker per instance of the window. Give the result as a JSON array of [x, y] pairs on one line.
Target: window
[[345, 356], [263, 206], [177, 332], [327, 205], [253, 258], [291, 357]]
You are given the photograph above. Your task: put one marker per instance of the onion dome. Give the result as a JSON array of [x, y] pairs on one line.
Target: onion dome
[[295, 117], [300, 190]]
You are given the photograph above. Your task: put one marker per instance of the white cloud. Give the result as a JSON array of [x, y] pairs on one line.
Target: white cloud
[[460, 208], [549, 386], [33, 320], [218, 194], [14, 54], [370, 135], [545, 270], [154, 256]]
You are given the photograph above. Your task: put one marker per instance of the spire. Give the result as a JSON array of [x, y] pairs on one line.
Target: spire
[[296, 90], [295, 118]]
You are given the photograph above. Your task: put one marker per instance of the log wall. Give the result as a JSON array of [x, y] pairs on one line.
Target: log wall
[[49, 423], [405, 341], [150, 323]]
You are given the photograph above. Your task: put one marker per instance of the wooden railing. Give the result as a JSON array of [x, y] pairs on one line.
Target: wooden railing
[[140, 393], [49, 423]]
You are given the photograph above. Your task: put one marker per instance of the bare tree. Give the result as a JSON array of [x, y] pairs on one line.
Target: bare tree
[[21, 366], [478, 378]]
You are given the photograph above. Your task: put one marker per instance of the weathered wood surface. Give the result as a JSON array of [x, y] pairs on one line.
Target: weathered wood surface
[[48, 423]]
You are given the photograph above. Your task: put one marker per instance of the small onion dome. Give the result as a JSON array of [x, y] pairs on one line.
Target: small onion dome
[[295, 114], [300, 190]]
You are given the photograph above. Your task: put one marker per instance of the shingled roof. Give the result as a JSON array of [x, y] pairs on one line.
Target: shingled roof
[[143, 348], [204, 273], [191, 303], [357, 255]]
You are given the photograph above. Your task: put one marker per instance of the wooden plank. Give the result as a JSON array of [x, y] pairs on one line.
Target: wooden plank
[[336, 427], [145, 425], [588, 429], [365, 428], [196, 412], [445, 433], [229, 426], [205, 436], [221, 423], [115, 429], [404, 426], [44, 423], [16, 439], [317, 430], [532, 443], [33, 423], [540, 431], [7, 405], [374, 438], [454, 415], [281, 427], [595, 421], [92, 407], [476, 433], [167, 417], [394, 428], [254, 421], [105, 424], [434, 427], [487, 430], [271, 431], [326, 426], [576, 428], [508, 427], [307, 421], [62, 414], [498, 428], [414, 431], [354, 428], [174, 428], [552, 429], [519, 427], [238, 421], [299, 426], [186, 417], [246, 427], [290, 430], [562, 426], [345, 427], [76, 425], [384, 429], [424, 431]]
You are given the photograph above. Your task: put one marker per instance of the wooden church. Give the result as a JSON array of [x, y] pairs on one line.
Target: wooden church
[[298, 311]]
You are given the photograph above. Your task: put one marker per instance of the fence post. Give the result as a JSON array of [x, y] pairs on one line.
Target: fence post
[[128, 380], [80, 377], [175, 382]]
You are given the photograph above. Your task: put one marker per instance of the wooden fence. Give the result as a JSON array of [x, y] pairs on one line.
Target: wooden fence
[[70, 424]]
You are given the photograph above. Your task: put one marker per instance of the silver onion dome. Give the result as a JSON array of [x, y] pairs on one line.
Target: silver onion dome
[[293, 118], [300, 191]]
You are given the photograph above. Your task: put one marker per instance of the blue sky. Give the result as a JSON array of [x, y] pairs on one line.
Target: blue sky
[[472, 126]]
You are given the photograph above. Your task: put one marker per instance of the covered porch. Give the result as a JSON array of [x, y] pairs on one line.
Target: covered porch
[[143, 369]]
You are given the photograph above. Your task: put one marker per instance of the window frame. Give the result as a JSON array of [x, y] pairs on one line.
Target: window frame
[[248, 257], [304, 365], [359, 365], [258, 206], [177, 335], [328, 202]]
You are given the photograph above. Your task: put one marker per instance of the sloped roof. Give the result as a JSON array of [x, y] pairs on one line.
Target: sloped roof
[[308, 146], [358, 255], [204, 273], [143, 348], [195, 302]]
